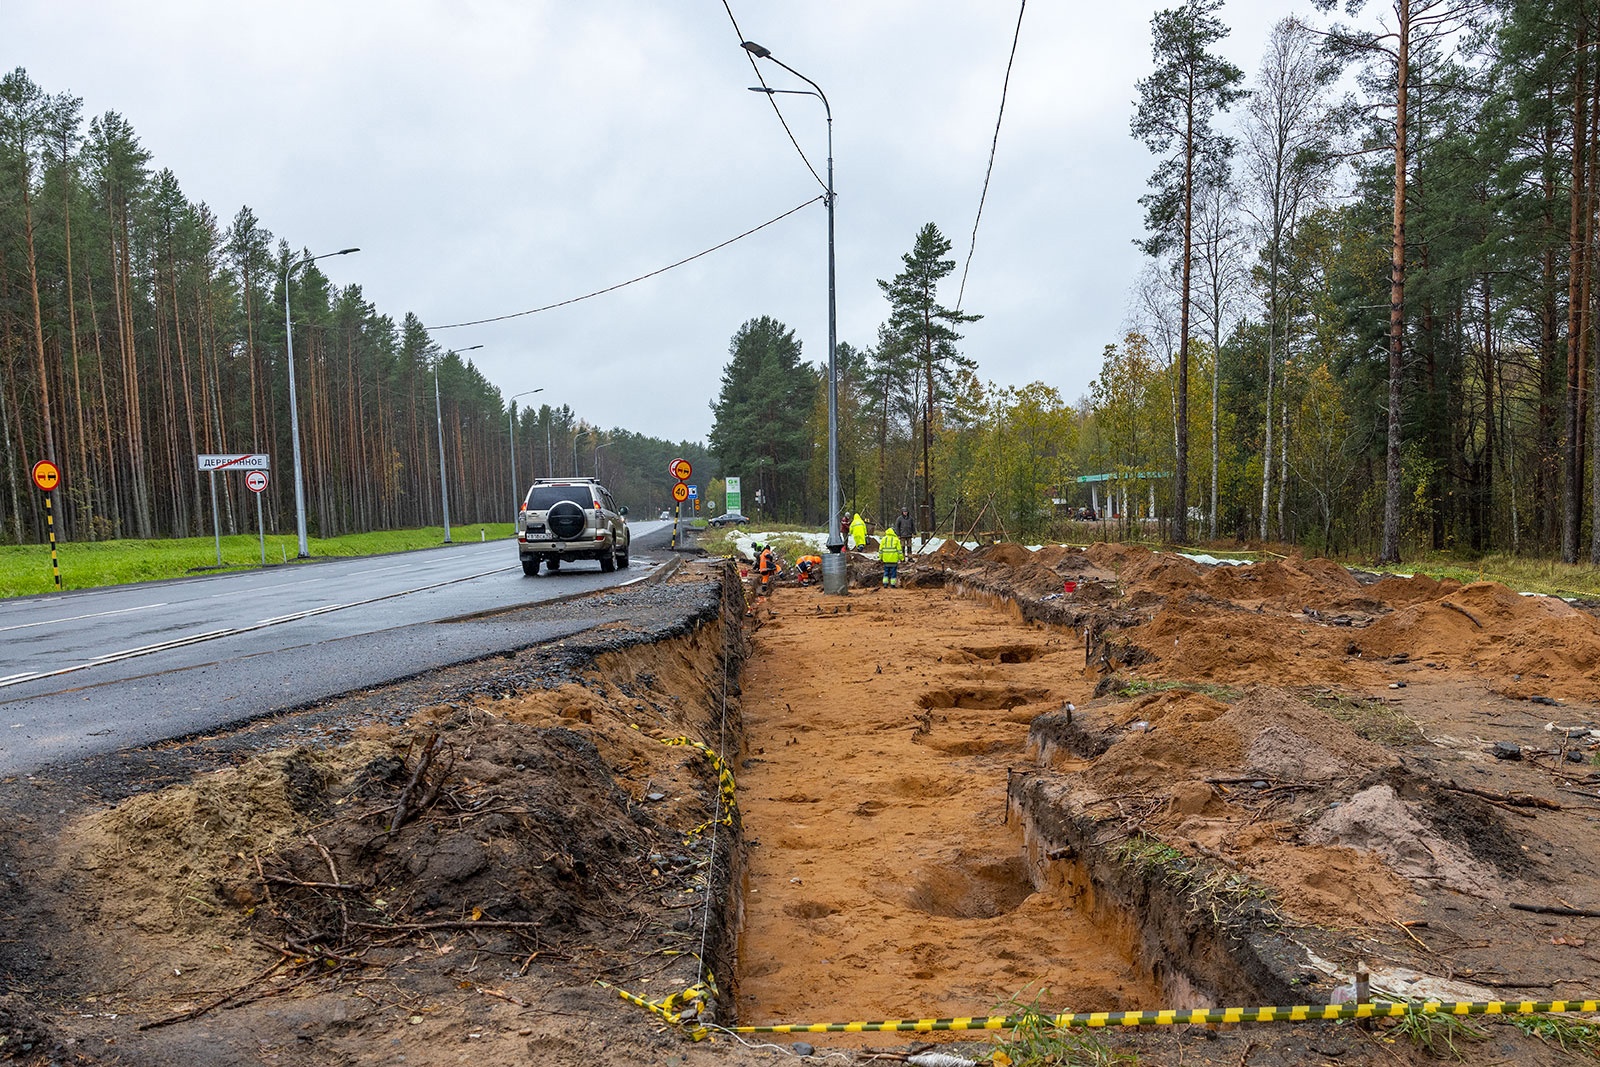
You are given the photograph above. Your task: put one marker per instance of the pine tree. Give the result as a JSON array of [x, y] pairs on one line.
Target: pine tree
[[1176, 105], [924, 330]]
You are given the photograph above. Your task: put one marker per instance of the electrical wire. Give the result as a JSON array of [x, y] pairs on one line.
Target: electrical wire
[[772, 98], [995, 144], [630, 281]]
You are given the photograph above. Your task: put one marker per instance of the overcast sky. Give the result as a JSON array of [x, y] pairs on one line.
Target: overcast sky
[[492, 156]]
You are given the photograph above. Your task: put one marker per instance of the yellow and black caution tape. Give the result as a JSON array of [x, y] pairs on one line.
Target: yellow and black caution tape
[[1383, 1009], [682, 1008], [725, 783]]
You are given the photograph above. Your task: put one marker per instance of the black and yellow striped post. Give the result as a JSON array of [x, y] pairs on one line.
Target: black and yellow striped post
[[46, 476], [50, 524]]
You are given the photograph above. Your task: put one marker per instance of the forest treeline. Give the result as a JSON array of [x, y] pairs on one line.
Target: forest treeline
[[1366, 324], [139, 330]]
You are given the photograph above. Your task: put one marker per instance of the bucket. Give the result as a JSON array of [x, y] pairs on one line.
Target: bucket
[[1069, 587]]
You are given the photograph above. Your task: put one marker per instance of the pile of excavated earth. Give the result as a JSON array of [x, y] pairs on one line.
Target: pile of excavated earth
[[1027, 781]]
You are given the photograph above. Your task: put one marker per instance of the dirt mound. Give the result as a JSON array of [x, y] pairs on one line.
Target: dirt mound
[[1114, 557], [1202, 774], [1052, 555], [1376, 820], [1398, 591], [949, 552], [1490, 628], [1162, 573], [1293, 581], [1199, 638], [1004, 552]]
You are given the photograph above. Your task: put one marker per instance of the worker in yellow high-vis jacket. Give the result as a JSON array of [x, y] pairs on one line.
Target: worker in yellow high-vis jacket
[[890, 554]]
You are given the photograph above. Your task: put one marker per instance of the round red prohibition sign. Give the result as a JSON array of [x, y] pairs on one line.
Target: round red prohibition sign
[[256, 481], [46, 476], [681, 469]]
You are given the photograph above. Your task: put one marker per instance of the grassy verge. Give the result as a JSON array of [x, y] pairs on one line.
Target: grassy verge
[[25, 569]]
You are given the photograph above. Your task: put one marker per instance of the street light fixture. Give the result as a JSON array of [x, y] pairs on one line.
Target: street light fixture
[[294, 408], [511, 425], [575, 437], [438, 412], [835, 579], [597, 447]]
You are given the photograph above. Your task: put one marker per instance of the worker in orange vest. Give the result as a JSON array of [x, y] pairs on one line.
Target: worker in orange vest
[[807, 569], [766, 569]]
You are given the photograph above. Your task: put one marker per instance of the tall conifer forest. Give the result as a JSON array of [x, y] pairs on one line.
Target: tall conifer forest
[[139, 330]]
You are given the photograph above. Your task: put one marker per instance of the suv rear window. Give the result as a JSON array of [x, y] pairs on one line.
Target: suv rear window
[[544, 497]]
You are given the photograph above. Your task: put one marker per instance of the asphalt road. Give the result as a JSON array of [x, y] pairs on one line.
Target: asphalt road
[[95, 671]]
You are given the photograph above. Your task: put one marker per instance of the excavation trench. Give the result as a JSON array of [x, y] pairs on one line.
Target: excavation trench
[[907, 853]]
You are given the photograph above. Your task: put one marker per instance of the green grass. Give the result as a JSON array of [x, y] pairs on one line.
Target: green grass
[[1569, 1035], [1441, 1034], [25, 569], [1038, 1042], [1372, 719], [1133, 687], [1528, 575]]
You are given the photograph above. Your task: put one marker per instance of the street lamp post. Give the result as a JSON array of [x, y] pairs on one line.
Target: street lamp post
[[294, 408], [438, 413], [835, 579], [597, 447], [580, 433], [511, 423]]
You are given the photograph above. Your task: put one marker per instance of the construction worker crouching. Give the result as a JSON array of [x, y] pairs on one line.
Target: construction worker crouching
[[889, 554], [807, 569]]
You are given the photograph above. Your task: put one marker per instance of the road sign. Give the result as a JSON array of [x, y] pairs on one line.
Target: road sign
[[694, 491], [680, 469], [245, 461], [735, 497], [46, 476], [256, 481], [680, 492]]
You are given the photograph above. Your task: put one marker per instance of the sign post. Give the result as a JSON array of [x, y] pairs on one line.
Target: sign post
[[255, 462], [680, 469], [46, 476], [256, 482]]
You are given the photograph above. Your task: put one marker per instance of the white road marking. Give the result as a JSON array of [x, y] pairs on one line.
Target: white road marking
[[211, 635], [76, 618]]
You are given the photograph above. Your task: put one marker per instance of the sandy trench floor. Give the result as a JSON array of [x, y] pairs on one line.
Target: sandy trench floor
[[886, 877]]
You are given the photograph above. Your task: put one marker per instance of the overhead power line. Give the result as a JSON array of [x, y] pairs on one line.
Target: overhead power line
[[995, 144], [630, 281]]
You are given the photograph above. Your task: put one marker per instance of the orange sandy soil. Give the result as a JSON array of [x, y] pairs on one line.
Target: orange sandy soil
[[887, 878]]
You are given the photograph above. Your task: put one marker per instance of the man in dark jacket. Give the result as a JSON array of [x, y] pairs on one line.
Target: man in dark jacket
[[905, 527]]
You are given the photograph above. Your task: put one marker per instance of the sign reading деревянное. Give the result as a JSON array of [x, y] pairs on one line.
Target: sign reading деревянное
[[241, 461]]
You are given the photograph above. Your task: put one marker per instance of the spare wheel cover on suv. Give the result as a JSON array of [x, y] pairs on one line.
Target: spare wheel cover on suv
[[566, 520]]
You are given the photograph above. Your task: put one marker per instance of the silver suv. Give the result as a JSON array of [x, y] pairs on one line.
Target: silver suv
[[570, 519]]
